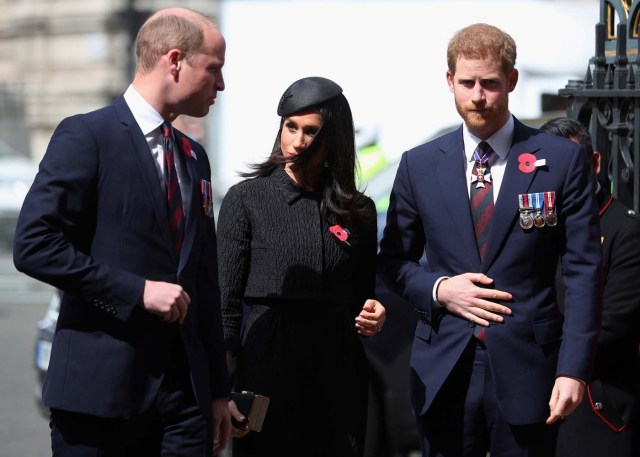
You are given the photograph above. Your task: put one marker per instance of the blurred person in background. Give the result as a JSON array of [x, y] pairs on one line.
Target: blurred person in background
[[297, 244], [606, 422], [494, 365], [119, 218]]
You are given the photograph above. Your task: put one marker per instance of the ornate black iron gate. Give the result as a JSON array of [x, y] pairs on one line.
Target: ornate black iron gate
[[608, 99]]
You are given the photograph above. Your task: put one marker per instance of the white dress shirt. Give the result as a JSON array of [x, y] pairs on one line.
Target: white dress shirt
[[150, 122], [500, 142]]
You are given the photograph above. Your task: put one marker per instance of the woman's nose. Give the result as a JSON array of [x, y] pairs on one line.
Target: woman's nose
[[298, 141]]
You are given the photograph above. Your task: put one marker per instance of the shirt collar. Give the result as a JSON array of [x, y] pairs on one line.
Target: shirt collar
[[289, 188], [500, 141], [146, 116]]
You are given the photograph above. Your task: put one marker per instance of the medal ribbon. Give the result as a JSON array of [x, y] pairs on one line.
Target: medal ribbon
[[481, 160], [205, 189], [525, 201], [537, 202], [549, 201]]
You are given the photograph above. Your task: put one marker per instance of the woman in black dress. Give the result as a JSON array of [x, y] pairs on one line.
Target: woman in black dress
[[297, 256]]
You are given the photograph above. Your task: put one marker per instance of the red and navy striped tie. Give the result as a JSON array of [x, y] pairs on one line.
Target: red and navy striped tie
[[482, 197], [174, 197], [481, 207]]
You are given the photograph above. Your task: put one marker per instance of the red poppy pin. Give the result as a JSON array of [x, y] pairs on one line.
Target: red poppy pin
[[528, 163], [187, 148], [342, 234]]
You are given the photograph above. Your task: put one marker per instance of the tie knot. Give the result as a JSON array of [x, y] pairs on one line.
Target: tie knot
[[166, 129], [481, 154]]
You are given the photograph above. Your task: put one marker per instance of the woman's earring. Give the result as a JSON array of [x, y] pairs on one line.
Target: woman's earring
[[326, 163]]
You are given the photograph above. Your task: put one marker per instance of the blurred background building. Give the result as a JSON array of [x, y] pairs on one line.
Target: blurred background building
[[62, 57]]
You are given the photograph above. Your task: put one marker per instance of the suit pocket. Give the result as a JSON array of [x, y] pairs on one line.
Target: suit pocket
[[611, 404], [548, 332], [423, 331]]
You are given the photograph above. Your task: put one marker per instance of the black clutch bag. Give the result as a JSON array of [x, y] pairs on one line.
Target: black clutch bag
[[253, 407]]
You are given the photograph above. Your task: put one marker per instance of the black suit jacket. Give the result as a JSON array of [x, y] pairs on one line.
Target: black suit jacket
[[94, 224], [606, 421]]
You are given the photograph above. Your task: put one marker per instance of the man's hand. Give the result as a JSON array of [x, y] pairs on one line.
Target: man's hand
[[461, 296], [221, 424], [167, 301], [566, 396], [371, 318]]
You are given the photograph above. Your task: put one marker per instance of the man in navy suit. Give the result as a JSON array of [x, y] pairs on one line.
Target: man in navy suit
[[120, 218], [493, 205]]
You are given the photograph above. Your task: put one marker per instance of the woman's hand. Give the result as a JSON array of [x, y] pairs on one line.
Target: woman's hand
[[237, 417], [371, 318]]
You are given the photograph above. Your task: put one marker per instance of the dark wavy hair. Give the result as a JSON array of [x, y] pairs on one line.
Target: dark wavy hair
[[571, 129], [337, 185]]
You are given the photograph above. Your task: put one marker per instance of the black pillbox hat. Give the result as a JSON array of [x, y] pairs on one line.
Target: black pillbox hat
[[305, 93]]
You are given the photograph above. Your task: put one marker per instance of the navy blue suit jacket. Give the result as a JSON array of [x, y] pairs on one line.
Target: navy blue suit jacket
[[94, 224], [429, 213]]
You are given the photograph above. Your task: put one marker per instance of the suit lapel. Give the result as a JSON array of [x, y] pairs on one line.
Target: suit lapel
[[148, 170], [514, 182], [193, 213], [189, 159], [456, 197]]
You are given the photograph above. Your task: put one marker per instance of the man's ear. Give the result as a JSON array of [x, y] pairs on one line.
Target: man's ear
[[596, 162], [175, 61], [450, 80], [512, 79]]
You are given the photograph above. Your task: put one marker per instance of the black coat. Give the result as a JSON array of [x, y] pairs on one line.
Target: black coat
[[275, 246], [304, 287], [606, 423]]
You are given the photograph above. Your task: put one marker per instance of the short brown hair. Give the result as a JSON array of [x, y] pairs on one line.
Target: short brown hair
[[479, 41], [165, 31]]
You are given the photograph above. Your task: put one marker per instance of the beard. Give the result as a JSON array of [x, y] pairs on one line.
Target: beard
[[486, 118]]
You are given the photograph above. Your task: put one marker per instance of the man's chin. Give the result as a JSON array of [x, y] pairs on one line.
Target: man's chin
[[476, 122], [199, 113]]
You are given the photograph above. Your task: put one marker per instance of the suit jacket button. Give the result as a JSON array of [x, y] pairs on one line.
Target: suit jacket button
[[598, 406]]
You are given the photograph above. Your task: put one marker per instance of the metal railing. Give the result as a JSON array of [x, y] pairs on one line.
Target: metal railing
[[608, 98]]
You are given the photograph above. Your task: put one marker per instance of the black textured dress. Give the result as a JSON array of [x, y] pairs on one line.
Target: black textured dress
[[302, 288]]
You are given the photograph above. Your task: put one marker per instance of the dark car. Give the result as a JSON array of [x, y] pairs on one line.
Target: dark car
[[391, 427], [46, 328], [16, 175]]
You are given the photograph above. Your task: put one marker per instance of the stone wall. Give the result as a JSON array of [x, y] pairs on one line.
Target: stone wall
[[62, 57]]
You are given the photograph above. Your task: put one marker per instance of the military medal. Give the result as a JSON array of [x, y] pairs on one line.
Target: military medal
[[549, 206], [538, 203], [526, 211], [207, 199], [481, 175]]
